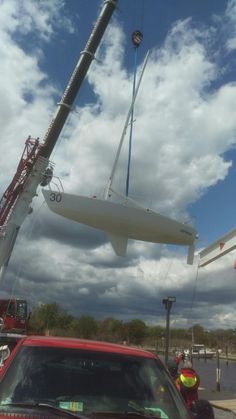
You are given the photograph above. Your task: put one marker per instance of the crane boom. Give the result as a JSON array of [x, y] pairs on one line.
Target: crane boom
[[15, 203], [80, 71]]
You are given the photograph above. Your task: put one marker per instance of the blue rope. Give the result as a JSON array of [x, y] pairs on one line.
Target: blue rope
[[131, 122]]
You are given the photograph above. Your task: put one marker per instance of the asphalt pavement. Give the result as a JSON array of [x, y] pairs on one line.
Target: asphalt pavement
[[215, 395], [222, 414]]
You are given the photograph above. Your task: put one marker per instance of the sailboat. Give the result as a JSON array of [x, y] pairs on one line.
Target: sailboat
[[126, 219]]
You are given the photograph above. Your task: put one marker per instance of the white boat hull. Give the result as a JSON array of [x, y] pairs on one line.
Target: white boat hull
[[120, 221], [205, 355]]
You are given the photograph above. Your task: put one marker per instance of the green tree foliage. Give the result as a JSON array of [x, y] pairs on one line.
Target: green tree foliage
[[155, 336], [197, 333], [112, 330], [85, 327], [51, 319], [137, 331], [47, 317]]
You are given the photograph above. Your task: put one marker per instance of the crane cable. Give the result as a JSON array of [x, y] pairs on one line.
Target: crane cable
[[137, 37]]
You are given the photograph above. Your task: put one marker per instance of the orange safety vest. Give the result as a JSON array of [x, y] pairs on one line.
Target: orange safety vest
[[188, 378]]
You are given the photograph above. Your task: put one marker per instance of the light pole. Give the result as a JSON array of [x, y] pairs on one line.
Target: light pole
[[168, 304]]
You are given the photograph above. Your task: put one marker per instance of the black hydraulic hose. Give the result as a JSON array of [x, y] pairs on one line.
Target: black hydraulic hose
[[80, 71]]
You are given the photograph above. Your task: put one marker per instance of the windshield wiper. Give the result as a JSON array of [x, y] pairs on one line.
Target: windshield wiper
[[140, 413], [45, 406], [143, 414]]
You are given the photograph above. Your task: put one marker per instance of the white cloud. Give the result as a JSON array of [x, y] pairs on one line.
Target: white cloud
[[183, 128], [26, 94], [230, 16], [41, 18]]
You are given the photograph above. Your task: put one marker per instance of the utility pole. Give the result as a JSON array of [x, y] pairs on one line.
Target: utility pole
[[168, 304]]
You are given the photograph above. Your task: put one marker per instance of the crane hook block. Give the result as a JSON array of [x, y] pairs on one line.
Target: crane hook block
[[137, 38]]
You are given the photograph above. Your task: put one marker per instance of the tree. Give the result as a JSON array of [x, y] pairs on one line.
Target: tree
[[154, 335], [48, 316], [137, 330], [199, 335], [111, 330], [85, 327]]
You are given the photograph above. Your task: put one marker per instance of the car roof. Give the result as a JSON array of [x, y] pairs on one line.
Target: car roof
[[83, 344]]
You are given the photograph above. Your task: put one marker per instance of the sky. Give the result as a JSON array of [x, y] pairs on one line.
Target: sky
[[183, 153]]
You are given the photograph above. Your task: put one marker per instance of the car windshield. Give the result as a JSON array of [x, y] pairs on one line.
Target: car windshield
[[87, 382]]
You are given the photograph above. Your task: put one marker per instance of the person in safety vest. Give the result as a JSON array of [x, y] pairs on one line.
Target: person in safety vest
[[188, 382]]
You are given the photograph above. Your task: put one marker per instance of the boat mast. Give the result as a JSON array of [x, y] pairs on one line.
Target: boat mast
[[109, 185]]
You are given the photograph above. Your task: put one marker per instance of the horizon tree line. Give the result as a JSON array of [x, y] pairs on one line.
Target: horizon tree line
[[52, 319]]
